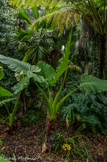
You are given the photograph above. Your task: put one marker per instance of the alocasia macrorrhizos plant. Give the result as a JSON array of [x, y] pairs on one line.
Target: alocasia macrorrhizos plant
[[45, 74]]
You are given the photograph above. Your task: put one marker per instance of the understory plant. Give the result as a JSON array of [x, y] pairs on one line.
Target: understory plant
[[72, 147], [5, 93], [87, 108], [44, 75], [2, 156]]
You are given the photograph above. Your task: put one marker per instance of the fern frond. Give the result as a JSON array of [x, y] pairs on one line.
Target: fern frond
[[59, 19], [44, 3]]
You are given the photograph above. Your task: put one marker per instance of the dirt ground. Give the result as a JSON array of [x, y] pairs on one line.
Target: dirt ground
[[25, 145]]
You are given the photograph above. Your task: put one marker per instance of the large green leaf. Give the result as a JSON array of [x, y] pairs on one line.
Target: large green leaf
[[1, 73], [4, 92], [18, 66], [64, 61], [47, 71], [6, 101], [91, 83], [24, 82]]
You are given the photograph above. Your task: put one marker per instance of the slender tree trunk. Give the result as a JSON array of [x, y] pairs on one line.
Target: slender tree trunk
[[49, 135], [21, 111], [86, 67], [102, 55]]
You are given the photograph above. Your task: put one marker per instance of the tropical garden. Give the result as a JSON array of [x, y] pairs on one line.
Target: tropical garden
[[53, 80]]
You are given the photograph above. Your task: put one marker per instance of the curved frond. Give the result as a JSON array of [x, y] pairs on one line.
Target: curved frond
[[59, 19], [31, 3]]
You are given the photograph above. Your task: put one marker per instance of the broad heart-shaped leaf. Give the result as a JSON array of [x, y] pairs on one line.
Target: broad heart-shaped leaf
[[47, 71], [24, 82], [18, 66], [91, 83], [64, 61], [5, 92], [1, 73]]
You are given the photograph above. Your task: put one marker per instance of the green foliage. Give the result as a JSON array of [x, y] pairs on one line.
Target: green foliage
[[32, 116], [22, 14], [54, 20], [63, 66], [1, 73], [71, 147], [2, 156], [19, 66], [31, 70], [4, 92], [44, 3], [91, 83], [47, 71], [3, 102], [24, 82], [7, 28], [89, 109]]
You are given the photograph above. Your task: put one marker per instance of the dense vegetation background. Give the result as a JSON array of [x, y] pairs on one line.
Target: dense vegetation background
[[53, 71]]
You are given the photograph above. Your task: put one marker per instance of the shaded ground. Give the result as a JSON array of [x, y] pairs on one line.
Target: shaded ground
[[27, 142]]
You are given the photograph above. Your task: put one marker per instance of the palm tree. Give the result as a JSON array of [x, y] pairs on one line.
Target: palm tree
[[94, 11]]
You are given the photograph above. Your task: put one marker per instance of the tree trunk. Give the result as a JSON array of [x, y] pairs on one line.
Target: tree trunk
[[49, 135], [102, 55], [21, 111], [86, 67]]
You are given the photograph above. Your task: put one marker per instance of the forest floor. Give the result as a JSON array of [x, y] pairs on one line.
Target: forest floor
[[26, 143]]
